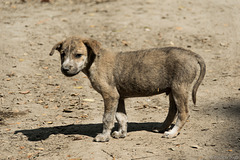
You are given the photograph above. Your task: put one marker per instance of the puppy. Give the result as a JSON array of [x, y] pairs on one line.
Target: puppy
[[117, 76]]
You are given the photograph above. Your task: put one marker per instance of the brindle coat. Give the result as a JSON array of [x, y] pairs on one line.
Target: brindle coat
[[117, 76]]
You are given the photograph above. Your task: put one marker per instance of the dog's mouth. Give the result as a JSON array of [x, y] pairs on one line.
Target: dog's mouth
[[69, 73]]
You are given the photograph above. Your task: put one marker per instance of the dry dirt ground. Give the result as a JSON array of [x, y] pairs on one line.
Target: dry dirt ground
[[45, 115]]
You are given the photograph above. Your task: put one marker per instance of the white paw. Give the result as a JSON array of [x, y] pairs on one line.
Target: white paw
[[117, 134], [170, 134], [101, 138]]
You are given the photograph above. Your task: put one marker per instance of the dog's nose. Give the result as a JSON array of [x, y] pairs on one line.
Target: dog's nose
[[66, 68]]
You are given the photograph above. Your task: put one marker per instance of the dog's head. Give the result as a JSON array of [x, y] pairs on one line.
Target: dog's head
[[76, 54]]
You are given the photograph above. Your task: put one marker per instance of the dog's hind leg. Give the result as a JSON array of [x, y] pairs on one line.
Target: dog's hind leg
[[121, 117], [171, 115], [180, 95]]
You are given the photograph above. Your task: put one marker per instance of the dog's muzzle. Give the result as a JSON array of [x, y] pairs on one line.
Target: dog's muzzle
[[69, 71]]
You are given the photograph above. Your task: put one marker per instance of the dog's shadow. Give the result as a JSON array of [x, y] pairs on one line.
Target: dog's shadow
[[90, 130]]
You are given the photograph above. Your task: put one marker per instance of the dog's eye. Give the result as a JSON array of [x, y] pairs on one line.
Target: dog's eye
[[78, 55]]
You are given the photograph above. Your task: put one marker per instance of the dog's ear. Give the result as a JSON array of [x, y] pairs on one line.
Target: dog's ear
[[57, 46], [92, 45]]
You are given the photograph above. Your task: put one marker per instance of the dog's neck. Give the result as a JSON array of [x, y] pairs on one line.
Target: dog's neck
[[90, 60]]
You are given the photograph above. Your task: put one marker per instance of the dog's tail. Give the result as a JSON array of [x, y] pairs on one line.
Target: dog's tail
[[200, 78]]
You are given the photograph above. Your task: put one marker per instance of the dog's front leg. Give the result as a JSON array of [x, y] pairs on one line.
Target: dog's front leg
[[110, 107]]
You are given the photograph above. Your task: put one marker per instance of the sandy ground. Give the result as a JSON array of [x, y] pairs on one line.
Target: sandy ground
[[45, 115]]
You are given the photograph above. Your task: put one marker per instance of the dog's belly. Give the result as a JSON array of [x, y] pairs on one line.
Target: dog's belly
[[129, 89], [127, 94]]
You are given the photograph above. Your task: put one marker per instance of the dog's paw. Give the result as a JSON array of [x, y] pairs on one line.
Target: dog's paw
[[101, 138], [169, 134], [117, 134]]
